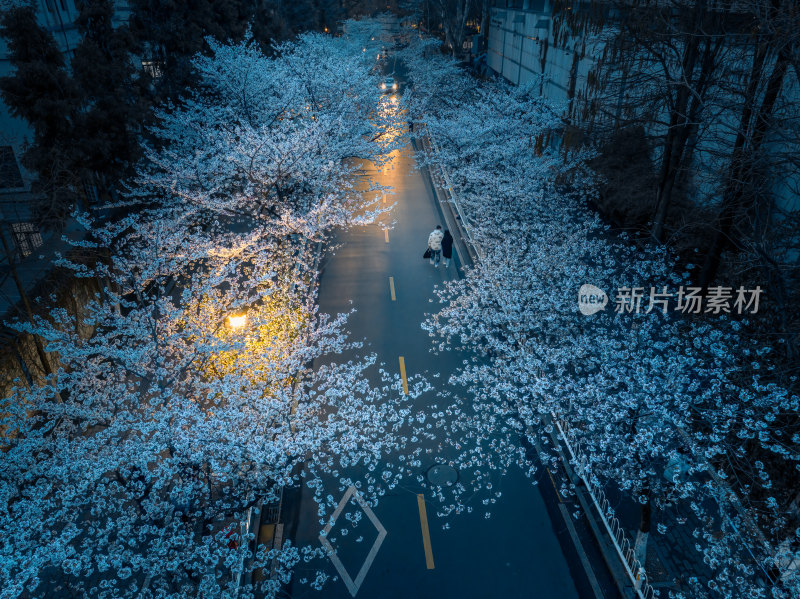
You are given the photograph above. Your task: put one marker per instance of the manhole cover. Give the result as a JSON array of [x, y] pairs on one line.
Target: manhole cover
[[442, 474]]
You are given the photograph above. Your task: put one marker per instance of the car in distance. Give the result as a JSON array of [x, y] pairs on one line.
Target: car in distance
[[389, 85]]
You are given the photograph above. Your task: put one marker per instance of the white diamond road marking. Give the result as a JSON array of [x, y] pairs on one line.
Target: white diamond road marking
[[353, 585]]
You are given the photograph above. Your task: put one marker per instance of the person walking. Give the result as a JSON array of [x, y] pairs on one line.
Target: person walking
[[435, 245], [447, 247]]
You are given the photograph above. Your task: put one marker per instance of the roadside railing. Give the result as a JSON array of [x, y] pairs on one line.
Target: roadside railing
[[430, 146], [633, 568]]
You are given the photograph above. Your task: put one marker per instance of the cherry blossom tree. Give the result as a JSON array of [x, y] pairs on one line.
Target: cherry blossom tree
[[208, 380], [278, 142], [660, 403]]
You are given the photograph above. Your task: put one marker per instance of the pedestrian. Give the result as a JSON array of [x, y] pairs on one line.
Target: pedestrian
[[435, 245], [447, 247]]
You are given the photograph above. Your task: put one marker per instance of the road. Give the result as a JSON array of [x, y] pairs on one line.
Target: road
[[524, 549]]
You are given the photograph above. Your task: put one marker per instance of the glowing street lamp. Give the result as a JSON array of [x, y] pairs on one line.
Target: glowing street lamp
[[237, 321]]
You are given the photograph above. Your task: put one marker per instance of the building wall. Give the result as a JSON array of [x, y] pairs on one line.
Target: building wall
[[521, 48], [29, 249]]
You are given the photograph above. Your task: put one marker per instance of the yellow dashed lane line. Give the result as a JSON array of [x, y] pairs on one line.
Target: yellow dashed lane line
[[426, 535], [403, 374]]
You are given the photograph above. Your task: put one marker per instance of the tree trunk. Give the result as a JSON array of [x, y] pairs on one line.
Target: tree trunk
[[448, 34], [715, 252], [620, 97], [484, 27], [748, 144], [676, 139], [25, 371], [573, 80]]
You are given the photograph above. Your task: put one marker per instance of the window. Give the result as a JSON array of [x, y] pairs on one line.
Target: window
[[152, 68], [91, 193], [10, 176], [26, 237]]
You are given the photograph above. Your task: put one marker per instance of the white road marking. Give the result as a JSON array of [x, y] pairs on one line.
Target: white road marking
[[353, 585]]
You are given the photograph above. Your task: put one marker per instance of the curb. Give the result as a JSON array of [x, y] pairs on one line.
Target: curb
[[465, 254], [610, 557]]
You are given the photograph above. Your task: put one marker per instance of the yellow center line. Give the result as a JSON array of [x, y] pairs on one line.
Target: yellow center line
[[386, 235], [426, 535], [403, 374], [391, 288]]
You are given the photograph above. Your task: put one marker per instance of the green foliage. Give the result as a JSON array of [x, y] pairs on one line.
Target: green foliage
[[172, 32], [41, 91]]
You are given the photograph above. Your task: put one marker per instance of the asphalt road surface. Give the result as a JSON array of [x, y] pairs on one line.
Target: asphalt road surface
[[522, 550]]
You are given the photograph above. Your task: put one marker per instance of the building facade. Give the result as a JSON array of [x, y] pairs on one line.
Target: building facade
[[26, 252], [531, 41], [524, 47]]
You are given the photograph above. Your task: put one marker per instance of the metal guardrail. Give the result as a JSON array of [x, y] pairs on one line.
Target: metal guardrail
[[452, 198], [633, 568]]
